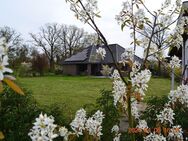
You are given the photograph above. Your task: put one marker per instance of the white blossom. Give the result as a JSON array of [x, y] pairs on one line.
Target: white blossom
[[90, 6], [127, 55], [3, 68], [179, 95], [115, 75], [43, 129], [134, 109], [78, 123], [166, 116], [98, 116], [127, 14], [139, 16], [101, 52], [153, 49], [165, 20], [119, 91], [124, 13], [3, 46], [94, 127], [140, 80], [176, 38], [176, 133], [115, 129], [93, 124], [154, 137], [106, 70], [135, 68], [166, 4], [142, 124], [117, 137], [3, 59], [175, 62], [63, 131]]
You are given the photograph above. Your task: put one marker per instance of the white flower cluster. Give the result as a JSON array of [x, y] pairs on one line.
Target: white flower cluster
[[43, 129], [176, 133], [125, 12], [177, 38], [139, 17], [179, 95], [142, 124], [154, 137], [140, 80], [115, 75], [93, 124], [134, 109], [175, 62], [78, 123], [135, 68], [115, 129], [166, 116], [166, 4], [181, 23], [3, 59], [101, 52], [119, 88], [81, 13], [165, 20], [106, 70], [127, 55], [153, 50], [3, 46], [63, 131]]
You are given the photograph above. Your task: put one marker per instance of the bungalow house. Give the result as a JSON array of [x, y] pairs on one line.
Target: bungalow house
[[86, 62]]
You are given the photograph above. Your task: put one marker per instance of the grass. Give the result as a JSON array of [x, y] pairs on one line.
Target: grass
[[73, 91], [78, 91]]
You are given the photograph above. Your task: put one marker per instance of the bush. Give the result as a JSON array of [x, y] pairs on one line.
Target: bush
[[112, 116], [58, 69], [17, 114], [25, 69], [39, 64], [156, 104]]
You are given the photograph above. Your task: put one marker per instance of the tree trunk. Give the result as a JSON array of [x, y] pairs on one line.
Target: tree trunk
[[51, 65], [70, 51], [159, 68]]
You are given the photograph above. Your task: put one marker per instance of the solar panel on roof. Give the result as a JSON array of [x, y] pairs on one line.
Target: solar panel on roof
[[81, 56]]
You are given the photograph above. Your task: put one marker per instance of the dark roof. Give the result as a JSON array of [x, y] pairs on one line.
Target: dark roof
[[89, 56]]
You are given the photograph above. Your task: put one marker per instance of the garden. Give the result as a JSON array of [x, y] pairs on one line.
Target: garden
[[39, 103]]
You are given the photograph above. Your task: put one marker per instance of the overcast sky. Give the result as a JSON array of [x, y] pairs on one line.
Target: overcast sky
[[27, 16]]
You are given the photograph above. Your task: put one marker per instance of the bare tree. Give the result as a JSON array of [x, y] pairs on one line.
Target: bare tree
[[74, 39], [61, 41], [48, 40], [13, 39], [91, 39], [71, 37]]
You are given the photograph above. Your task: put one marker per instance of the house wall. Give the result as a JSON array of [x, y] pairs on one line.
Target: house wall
[[70, 69]]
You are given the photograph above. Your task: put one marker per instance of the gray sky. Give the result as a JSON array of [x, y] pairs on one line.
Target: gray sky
[[28, 15]]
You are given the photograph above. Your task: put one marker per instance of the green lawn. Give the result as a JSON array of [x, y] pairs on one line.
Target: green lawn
[[77, 91], [73, 91]]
